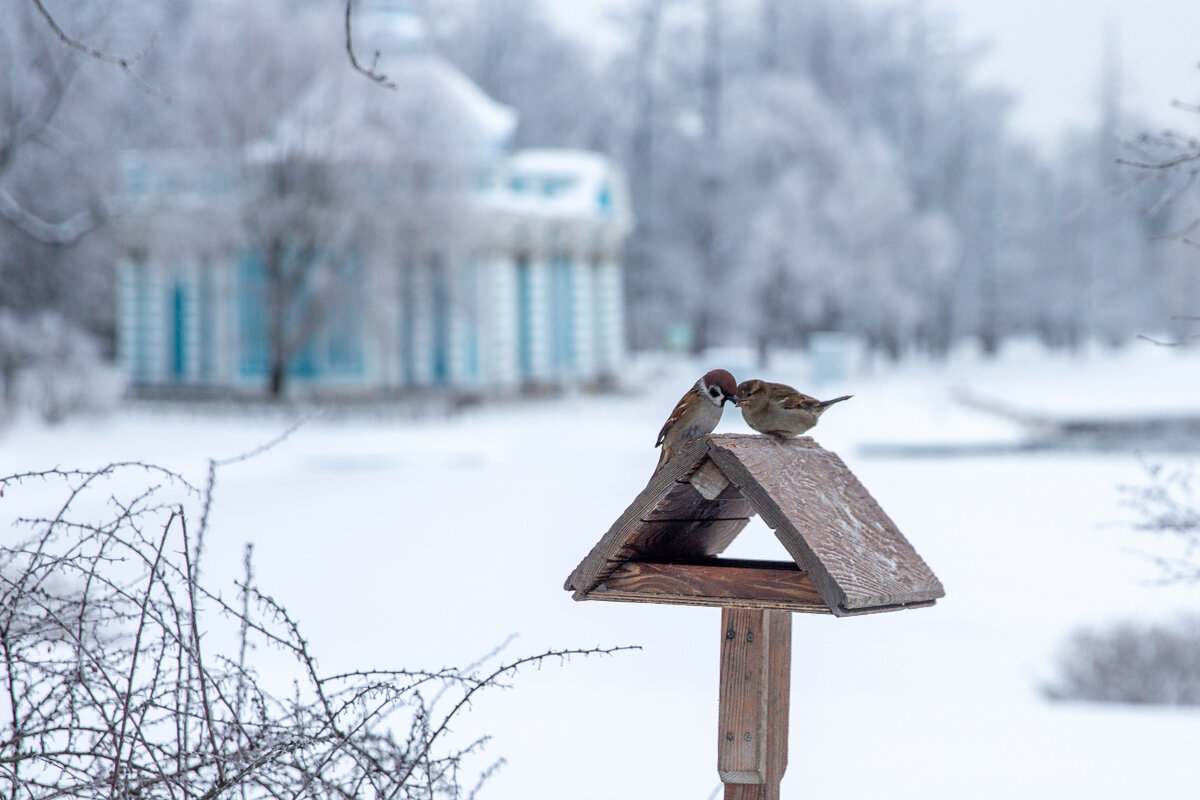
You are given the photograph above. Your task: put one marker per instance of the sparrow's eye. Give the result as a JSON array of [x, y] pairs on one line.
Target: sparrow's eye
[[714, 391]]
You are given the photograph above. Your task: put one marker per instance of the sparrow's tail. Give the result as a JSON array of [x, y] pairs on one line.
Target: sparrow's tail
[[827, 403]]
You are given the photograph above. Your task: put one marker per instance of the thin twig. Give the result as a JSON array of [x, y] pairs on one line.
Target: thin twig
[[372, 71], [125, 63]]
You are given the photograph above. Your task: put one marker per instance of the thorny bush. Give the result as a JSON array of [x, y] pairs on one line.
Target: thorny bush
[[111, 686]]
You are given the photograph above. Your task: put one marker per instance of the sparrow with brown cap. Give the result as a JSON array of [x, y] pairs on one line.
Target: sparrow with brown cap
[[697, 412]]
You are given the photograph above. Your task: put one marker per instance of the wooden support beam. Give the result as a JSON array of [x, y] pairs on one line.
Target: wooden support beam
[[708, 480], [727, 583], [752, 731]]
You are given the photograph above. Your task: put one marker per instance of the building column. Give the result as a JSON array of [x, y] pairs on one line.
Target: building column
[[534, 305], [584, 286], [610, 317], [498, 322]]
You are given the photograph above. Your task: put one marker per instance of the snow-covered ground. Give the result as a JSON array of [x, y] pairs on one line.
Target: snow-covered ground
[[424, 543]]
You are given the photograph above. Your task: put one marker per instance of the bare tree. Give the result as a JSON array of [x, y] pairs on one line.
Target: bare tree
[[55, 237], [123, 676], [710, 238], [28, 108], [1173, 159], [1169, 161], [299, 218]]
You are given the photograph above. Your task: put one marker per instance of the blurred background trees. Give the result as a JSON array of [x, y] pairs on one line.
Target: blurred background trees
[[805, 167], [795, 167]]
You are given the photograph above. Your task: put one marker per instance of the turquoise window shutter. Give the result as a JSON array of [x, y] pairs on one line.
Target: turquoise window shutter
[[252, 314], [179, 307], [441, 321]]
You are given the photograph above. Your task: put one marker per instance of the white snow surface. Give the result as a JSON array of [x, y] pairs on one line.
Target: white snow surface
[[425, 543]]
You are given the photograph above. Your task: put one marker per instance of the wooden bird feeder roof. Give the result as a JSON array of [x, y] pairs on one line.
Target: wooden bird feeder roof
[[847, 556]]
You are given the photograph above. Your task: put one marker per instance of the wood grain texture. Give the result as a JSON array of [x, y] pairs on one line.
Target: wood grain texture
[[598, 561], [693, 508], [742, 710], [779, 684], [718, 582], [751, 791], [679, 540], [752, 727], [708, 480], [684, 502], [828, 522]]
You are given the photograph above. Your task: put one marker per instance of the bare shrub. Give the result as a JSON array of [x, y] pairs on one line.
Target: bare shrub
[[123, 676], [1166, 505], [1131, 662]]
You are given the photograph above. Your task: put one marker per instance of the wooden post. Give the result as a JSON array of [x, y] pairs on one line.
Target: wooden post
[[756, 657]]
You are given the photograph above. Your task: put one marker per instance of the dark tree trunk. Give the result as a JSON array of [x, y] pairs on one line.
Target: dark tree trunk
[[278, 379]]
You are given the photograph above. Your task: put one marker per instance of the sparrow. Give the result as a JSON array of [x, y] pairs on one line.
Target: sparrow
[[779, 410], [697, 412]]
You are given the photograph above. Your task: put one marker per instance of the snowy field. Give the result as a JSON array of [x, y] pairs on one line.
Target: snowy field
[[425, 543]]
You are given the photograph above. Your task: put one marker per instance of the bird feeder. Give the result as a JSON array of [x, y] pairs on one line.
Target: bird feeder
[[847, 558]]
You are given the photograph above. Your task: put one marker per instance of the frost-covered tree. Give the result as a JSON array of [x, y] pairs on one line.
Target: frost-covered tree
[[747, 128], [1165, 166], [833, 233], [516, 54], [56, 137]]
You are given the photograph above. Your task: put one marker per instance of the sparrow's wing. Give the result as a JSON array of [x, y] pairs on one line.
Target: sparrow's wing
[[680, 408], [790, 398], [777, 391]]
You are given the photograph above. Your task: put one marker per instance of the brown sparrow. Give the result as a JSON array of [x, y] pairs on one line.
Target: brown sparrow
[[697, 412], [779, 410]]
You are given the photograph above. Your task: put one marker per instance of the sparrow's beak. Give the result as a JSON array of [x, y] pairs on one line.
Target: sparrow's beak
[[738, 400]]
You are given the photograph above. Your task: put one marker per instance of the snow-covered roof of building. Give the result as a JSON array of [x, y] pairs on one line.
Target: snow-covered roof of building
[[496, 120], [433, 105], [560, 183]]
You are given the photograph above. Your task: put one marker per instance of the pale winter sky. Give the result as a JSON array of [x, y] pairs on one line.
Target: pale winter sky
[[1048, 52]]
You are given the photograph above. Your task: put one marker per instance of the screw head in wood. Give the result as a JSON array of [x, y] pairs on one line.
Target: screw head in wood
[[749, 637], [729, 634], [747, 736], [729, 736]]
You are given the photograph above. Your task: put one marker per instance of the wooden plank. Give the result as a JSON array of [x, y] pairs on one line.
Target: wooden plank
[[684, 502], [828, 522], [708, 480], [750, 791], [593, 567], [678, 540], [742, 710], [755, 691], [779, 687], [741, 584]]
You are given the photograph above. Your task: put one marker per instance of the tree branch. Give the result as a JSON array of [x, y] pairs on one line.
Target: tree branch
[[100, 649], [372, 71], [67, 232], [125, 63]]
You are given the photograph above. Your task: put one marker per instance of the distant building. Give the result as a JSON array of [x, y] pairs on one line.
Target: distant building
[[527, 292]]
